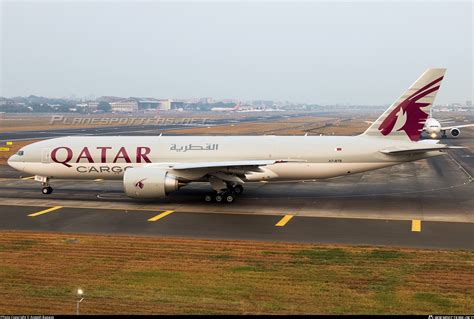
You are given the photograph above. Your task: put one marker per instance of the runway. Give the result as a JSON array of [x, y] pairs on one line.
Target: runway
[[420, 204], [227, 226]]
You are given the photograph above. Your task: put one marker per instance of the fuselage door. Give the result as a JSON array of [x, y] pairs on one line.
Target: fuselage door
[[46, 156]]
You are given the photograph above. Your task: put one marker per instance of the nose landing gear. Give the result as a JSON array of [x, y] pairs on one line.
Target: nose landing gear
[[47, 190]]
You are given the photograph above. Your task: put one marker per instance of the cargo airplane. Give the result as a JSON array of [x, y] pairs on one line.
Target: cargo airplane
[[226, 109], [434, 128], [154, 166]]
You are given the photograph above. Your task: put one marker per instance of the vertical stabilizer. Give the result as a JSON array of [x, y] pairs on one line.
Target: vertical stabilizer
[[405, 118]]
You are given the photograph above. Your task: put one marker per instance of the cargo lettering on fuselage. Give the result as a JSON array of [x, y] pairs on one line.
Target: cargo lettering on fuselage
[[102, 169]]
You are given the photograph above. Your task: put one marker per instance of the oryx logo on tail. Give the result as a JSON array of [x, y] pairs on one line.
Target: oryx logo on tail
[[405, 118], [409, 115]]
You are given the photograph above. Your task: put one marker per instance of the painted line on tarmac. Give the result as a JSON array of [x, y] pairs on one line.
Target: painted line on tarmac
[[264, 213], [29, 177], [160, 216], [284, 220], [45, 211], [462, 168], [416, 225]]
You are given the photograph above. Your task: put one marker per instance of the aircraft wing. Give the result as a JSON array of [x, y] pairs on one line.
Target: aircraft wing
[[446, 121], [229, 171], [456, 126], [426, 147], [245, 165], [228, 164]]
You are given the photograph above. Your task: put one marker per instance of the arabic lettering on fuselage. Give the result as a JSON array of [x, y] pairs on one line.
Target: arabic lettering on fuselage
[[191, 147]]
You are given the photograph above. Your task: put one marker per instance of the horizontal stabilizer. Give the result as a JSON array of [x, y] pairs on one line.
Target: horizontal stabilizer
[[399, 150], [456, 126]]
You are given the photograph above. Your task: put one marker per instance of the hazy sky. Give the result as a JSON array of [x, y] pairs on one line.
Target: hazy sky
[[318, 52]]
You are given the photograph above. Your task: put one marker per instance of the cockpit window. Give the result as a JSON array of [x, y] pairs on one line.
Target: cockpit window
[[20, 153]]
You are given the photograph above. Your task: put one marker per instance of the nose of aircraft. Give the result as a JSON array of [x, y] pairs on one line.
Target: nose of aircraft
[[11, 160], [14, 162]]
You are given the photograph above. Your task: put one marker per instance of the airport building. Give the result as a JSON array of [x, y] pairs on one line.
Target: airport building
[[144, 104], [165, 104], [92, 105], [124, 106], [177, 105], [206, 100], [152, 103]]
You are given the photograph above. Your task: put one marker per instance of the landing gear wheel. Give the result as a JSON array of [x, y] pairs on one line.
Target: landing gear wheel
[[47, 190], [238, 189], [229, 198], [218, 198], [208, 198]]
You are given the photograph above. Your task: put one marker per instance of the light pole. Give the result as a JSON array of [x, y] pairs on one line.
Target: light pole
[[80, 292]]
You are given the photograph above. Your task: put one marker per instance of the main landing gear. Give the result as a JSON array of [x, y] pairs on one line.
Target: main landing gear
[[227, 195]]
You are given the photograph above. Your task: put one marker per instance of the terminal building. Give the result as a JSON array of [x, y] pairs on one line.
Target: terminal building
[[151, 103], [124, 106], [165, 104]]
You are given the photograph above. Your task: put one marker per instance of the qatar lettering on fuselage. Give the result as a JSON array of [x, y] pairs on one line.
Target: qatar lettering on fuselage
[[65, 155]]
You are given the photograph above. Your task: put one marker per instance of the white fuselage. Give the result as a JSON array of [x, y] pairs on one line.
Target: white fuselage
[[432, 126], [311, 157]]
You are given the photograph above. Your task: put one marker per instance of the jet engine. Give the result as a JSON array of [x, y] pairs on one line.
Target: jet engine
[[455, 132], [149, 182]]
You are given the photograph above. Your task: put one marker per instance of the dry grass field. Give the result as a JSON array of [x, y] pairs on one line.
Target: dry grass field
[[40, 272], [19, 122], [310, 125]]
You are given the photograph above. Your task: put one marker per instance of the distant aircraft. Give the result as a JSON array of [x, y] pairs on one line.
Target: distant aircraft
[[434, 127], [253, 110], [154, 166], [226, 109]]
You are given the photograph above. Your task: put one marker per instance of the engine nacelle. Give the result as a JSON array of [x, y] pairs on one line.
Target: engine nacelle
[[148, 182], [455, 132]]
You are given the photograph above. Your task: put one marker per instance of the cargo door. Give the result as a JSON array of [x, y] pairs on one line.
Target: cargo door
[[46, 156]]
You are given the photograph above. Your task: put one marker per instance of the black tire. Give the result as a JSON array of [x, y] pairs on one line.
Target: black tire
[[218, 198], [47, 190], [208, 198], [238, 189], [229, 198]]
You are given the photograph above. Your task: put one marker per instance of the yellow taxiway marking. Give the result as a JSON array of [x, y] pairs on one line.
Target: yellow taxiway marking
[[45, 211], [98, 180], [160, 216], [29, 177], [284, 220], [9, 143], [416, 225]]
